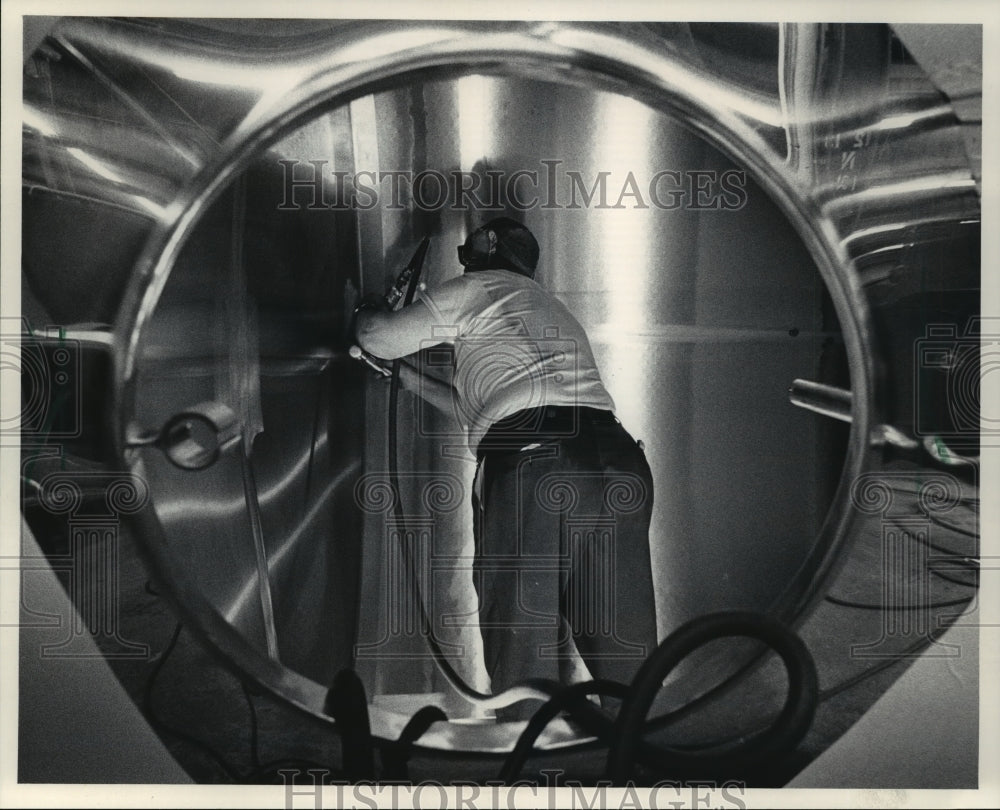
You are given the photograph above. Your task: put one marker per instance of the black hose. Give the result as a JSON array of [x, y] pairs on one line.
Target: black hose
[[530, 689], [787, 730], [347, 705], [396, 755], [561, 701]]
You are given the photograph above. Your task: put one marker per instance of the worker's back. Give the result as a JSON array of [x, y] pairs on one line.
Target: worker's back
[[516, 347]]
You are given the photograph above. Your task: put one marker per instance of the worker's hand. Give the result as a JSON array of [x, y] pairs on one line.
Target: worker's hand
[[371, 301], [369, 304]]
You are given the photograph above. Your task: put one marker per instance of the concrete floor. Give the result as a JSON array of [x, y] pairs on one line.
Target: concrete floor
[[218, 732]]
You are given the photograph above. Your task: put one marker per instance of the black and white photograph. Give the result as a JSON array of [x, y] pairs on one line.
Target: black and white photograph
[[499, 405]]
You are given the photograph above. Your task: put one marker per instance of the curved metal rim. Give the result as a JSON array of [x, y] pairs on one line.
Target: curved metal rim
[[653, 78]]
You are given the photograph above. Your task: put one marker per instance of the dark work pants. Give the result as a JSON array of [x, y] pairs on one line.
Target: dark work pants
[[562, 550]]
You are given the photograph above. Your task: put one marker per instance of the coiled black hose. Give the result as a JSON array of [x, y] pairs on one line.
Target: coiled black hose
[[784, 734]]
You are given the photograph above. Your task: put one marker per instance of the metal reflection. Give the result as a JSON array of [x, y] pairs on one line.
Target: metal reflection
[[144, 127]]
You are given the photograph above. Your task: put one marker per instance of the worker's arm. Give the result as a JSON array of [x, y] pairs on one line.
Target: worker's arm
[[397, 335], [390, 335], [442, 311]]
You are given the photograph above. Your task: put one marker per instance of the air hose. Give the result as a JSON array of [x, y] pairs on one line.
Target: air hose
[[538, 689], [741, 756], [784, 734]]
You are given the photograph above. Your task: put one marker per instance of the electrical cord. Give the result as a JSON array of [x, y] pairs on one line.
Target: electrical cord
[[882, 665], [160, 725], [259, 772], [346, 704], [895, 522], [955, 580], [835, 600], [254, 730], [971, 499], [952, 527], [953, 557], [929, 543]]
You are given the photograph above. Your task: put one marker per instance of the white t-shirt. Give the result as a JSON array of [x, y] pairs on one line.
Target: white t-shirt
[[516, 346]]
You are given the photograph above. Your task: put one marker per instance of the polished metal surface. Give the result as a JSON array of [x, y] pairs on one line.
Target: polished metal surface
[[160, 146]]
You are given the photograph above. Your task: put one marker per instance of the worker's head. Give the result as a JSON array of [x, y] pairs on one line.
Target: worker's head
[[500, 244]]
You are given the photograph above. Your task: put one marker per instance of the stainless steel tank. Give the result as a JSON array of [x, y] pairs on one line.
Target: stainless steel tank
[[762, 185]]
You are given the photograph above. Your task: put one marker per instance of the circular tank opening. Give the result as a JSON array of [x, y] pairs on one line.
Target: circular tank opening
[[698, 330]]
